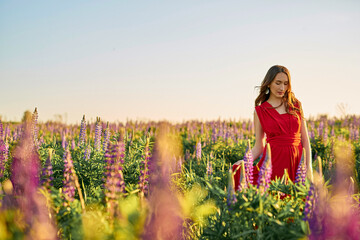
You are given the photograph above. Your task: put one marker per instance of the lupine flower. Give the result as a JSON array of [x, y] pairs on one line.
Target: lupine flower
[[243, 182], [2, 137], [163, 202], [25, 172], [87, 152], [73, 144], [309, 203], [3, 153], [6, 154], [106, 137], [25, 196], [69, 181], [82, 134], [334, 215], [209, 168], [249, 162], [35, 129], [144, 172], [213, 135], [97, 140], [231, 197], [114, 183], [47, 173], [265, 171], [198, 150], [63, 141], [301, 171]]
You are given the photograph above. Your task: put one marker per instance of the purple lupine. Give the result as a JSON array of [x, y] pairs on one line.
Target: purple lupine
[[2, 137], [97, 140], [114, 183], [73, 144], [309, 203], [47, 173], [144, 172], [63, 142], [82, 134], [231, 196], [301, 171], [7, 133], [3, 153], [69, 181], [106, 137], [325, 134], [249, 162], [198, 150], [265, 171], [87, 152]]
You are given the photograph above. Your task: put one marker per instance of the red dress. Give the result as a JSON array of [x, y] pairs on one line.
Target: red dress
[[283, 134]]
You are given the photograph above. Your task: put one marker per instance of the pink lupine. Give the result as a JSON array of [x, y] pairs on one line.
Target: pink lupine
[[25, 181], [164, 204], [209, 168], [2, 136], [198, 150], [69, 181], [249, 162]]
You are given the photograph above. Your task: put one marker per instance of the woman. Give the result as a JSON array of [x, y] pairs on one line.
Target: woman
[[279, 121]]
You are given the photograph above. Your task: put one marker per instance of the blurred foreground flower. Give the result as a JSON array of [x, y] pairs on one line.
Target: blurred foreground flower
[[22, 192], [334, 216], [164, 219]]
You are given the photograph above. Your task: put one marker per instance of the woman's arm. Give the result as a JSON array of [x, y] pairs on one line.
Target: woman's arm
[[259, 139], [306, 145]]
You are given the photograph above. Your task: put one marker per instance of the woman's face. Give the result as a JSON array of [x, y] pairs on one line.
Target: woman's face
[[279, 85]]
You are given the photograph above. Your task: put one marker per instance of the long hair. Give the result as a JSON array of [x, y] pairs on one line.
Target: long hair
[[292, 104]]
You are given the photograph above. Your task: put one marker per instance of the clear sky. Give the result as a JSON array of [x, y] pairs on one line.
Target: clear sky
[[175, 60]]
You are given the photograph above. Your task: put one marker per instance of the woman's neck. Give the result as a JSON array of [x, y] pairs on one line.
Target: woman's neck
[[274, 101]]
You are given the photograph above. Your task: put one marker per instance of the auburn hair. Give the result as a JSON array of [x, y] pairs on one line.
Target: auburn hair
[[292, 104]]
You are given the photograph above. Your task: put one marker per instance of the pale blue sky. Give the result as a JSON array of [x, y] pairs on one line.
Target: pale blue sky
[[174, 60]]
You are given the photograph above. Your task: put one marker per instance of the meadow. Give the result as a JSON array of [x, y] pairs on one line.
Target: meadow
[[160, 180]]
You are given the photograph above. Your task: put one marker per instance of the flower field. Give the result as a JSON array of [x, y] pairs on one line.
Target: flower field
[[160, 180]]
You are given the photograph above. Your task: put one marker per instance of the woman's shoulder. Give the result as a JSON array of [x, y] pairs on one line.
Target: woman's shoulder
[[263, 104], [258, 107]]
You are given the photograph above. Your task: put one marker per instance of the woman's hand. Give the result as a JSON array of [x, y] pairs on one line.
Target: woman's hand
[[238, 162]]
